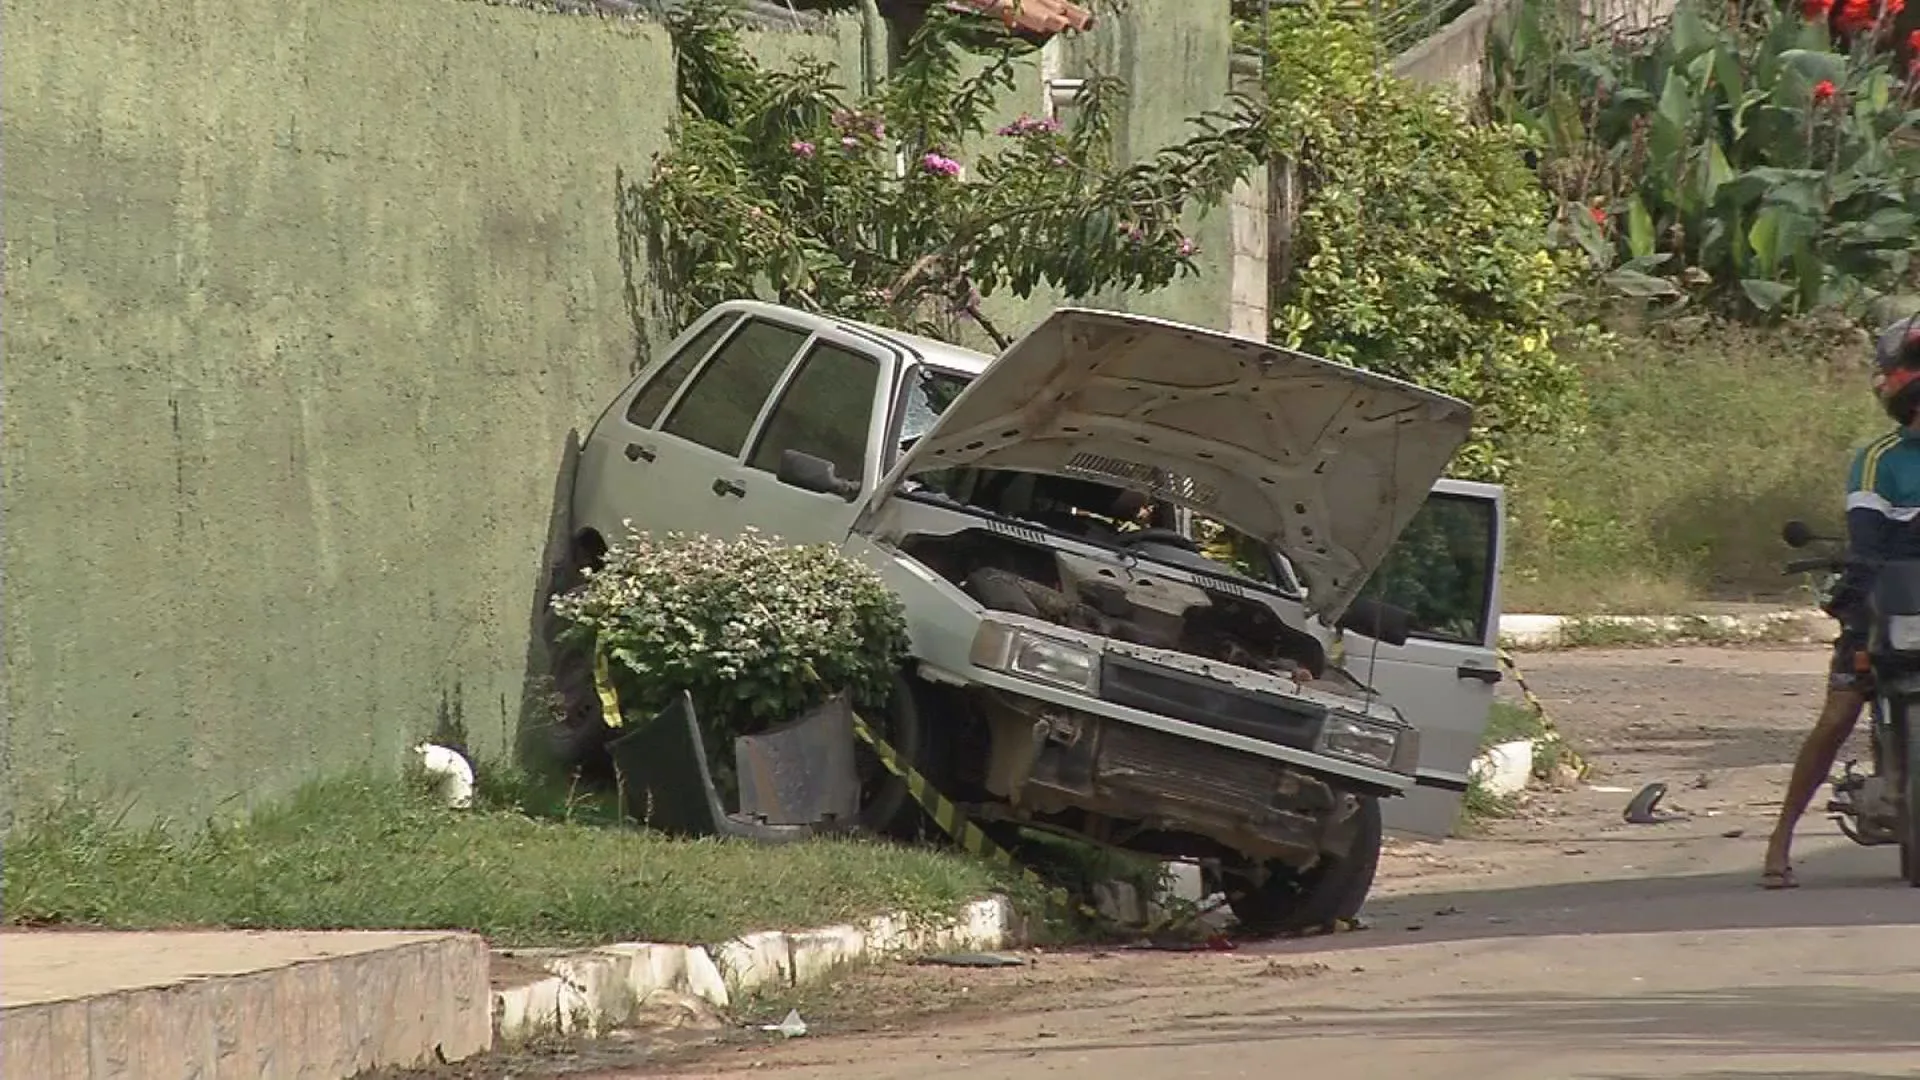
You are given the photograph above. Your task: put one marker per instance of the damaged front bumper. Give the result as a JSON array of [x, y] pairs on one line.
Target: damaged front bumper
[[1177, 744]]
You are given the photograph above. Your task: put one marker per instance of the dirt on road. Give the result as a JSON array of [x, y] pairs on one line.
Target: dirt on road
[[1561, 943]]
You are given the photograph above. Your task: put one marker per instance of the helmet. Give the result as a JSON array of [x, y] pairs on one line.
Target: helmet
[[1896, 359]]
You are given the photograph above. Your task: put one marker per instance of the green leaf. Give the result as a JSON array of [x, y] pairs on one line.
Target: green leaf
[[1640, 235], [1765, 295], [1633, 283], [1690, 33], [1764, 238], [1816, 66], [1717, 172]]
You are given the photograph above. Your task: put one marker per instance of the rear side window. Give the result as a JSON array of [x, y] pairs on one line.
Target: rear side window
[[721, 402], [825, 411], [1441, 569], [654, 396]]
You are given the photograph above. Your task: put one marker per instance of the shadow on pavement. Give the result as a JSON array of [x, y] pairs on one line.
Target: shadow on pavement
[[1840, 887], [1813, 1019]]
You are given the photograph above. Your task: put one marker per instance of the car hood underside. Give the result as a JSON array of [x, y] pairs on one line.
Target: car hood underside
[[1324, 462]]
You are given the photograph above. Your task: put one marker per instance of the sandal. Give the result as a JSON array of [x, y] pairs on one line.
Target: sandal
[[1778, 879]]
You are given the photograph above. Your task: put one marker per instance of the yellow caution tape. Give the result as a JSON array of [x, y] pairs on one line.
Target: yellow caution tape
[[970, 837], [603, 686], [1540, 710], [974, 840]]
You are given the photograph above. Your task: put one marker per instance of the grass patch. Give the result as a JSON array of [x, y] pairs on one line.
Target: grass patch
[[529, 866], [1508, 722], [1701, 439]]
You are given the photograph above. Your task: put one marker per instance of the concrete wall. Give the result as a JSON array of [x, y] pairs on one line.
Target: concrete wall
[[1453, 57], [1176, 63], [304, 301]]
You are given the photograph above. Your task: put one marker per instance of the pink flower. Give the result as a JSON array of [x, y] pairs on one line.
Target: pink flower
[[849, 142], [1027, 125], [802, 148], [940, 163], [1188, 247]]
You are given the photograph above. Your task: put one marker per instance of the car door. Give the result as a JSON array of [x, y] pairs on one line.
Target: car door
[[618, 477], [1445, 570], [683, 472], [832, 404]]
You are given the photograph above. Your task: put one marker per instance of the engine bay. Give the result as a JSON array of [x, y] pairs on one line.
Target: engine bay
[[1126, 599]]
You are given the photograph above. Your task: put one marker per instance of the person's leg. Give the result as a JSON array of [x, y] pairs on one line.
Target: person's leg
[[1846, 695]]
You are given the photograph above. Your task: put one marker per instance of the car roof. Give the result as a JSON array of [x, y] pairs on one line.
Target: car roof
[[939, 353]]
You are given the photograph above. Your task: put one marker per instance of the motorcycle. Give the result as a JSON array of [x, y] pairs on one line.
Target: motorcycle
[[1883, 806]]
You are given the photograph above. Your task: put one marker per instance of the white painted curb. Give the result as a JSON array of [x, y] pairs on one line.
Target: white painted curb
[[1549, 631], [594, 991]]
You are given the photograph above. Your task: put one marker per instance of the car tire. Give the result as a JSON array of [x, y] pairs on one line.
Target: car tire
[[1334, 889], [911, 725], [578, 736]]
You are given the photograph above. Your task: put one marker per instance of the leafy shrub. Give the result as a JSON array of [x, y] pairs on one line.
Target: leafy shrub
[[1743, 151], [756, 631], [1421, 248], [902, 208]]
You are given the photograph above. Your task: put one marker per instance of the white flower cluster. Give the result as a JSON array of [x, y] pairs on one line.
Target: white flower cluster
[[752, 626]]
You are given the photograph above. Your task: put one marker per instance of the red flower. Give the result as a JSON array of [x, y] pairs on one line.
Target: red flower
[[1815, 10], [1823, 91], [1913, 43], [1598, 214], [1855, 16]]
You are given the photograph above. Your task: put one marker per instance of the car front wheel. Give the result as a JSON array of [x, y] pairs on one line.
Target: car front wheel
[[1332, 889]]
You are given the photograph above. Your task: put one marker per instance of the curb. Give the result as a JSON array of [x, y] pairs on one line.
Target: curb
[[1541, 632], [599, 989]]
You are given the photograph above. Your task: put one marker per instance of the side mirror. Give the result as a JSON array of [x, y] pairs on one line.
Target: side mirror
[[1382, 622], [1797, 534], [809, 473]]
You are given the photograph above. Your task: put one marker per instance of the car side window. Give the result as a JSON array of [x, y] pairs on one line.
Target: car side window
[[1440, 569], [653, 397], [825, 411], [721, 402]]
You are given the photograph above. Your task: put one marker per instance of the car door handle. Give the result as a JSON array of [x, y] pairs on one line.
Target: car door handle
[[723, 486], [635, 452], [1485, 675]]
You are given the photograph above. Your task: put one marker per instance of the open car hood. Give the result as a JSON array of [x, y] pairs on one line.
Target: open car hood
[[1324, 462]]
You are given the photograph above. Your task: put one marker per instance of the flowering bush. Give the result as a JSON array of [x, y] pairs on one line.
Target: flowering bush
[[1420, 249], [756, 631], [900, 208], [1744, 153]]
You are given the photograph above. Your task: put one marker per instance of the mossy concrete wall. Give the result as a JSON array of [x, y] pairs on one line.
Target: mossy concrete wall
[[304, 302]]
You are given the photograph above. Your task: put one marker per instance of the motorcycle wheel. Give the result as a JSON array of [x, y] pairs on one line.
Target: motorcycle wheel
[[1909, 758]]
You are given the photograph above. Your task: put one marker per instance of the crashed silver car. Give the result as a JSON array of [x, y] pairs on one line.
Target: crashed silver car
[[1081, 661]]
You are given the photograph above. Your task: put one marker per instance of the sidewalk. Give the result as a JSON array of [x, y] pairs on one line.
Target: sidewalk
[[99, 1004]]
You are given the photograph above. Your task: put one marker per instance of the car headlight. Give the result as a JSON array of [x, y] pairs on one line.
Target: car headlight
[[1361, 740], [1903, 633], [1038, 657]]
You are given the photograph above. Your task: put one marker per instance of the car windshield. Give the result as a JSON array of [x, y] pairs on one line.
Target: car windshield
[[929, 392]]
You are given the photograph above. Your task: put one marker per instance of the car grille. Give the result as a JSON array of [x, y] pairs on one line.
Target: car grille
[[1210, 703], [1170, 767]]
